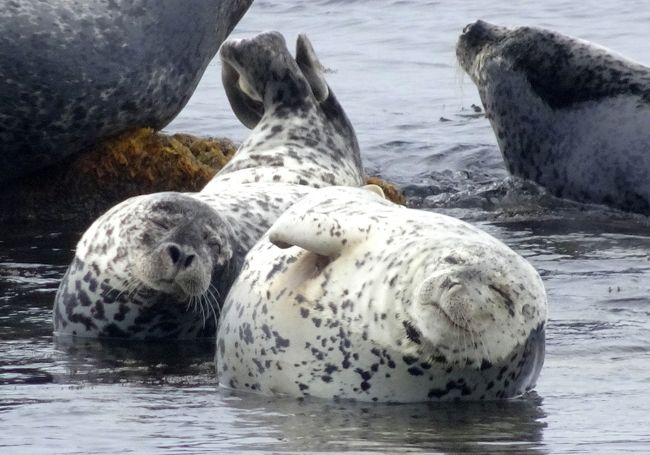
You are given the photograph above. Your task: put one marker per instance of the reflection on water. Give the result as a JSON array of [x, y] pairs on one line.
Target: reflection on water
[[413, 114], [462, 427]]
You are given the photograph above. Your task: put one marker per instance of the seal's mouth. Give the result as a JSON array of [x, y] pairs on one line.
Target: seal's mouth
[[459, 323]]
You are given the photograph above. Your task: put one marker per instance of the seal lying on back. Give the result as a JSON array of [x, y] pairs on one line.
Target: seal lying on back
[[75, 72], [371, 301], [568, 114], [157, 266]]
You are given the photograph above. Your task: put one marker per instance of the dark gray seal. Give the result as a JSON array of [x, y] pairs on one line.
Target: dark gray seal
[[568, 114], [75, 72], [159, 266]]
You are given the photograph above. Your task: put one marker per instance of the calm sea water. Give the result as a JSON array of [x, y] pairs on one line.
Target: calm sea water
[[392, 65]]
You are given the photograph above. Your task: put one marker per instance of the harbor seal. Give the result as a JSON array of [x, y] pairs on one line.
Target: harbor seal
[[350, 296], [568, 114], [76, 72], [158, 266]]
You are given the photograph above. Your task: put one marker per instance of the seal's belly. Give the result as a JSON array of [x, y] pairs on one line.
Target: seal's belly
[[298, 356]]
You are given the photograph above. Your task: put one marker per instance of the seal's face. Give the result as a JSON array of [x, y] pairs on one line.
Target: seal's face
[[475, 44], [164, 242], [473, 306], [154, 266], [179, 242]]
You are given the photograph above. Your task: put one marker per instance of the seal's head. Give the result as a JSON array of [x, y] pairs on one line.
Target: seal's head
[[162, 254], [473, 307], [177, 244], [561, 70]]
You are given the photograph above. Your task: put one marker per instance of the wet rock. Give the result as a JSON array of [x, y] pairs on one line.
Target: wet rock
[[138, 162]]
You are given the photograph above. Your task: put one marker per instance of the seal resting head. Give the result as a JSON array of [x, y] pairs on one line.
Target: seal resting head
[[351, 296], [144, 262], [567, 114]]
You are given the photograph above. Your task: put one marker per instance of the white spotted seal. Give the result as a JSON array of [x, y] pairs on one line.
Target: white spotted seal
[[75, 72], [157, 266], [568, 114], [351, 296]]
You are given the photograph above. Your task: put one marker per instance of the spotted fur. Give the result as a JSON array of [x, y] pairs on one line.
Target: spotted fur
[[300, 134], [75, 72], [351, 296], [568, 114], [158, 266]]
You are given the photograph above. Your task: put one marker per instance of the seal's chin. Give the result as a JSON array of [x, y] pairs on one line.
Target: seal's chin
[[193, 286], [454, 319]]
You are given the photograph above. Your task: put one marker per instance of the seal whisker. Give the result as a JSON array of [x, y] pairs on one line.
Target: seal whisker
[[217, 299]]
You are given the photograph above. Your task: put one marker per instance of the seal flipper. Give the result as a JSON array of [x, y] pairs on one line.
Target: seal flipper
[[322, 231], [315, 232], [247, 109], [311, 68], [260, 73]]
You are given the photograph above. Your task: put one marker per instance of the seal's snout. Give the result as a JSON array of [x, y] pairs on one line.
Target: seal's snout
[[480, 33], [181, 259]]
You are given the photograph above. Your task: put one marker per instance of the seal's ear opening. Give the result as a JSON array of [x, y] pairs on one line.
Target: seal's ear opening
[[311, 68], [242, 100]]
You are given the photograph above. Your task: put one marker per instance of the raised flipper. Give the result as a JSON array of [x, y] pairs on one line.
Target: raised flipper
[[243, 102], [260, 72], [311, 68], [312, 225]]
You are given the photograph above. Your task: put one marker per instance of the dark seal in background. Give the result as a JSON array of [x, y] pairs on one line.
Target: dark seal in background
[[74, 72]]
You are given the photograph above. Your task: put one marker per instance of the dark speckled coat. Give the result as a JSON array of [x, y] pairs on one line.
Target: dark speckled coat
[[73, 72], [567, 114]]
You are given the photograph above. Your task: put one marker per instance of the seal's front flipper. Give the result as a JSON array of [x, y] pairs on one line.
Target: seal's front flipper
[[319, 233], [313, 225]]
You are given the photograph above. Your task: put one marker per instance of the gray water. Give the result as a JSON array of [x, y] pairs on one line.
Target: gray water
[[392, 66]]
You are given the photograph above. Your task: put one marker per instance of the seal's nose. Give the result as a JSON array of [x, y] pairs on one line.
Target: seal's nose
[[179, 258], [479, 27]]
